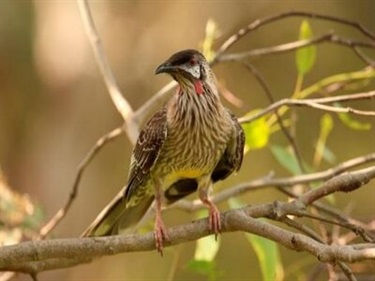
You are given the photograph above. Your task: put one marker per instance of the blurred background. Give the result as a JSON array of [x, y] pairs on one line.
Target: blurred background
[[54, 107]]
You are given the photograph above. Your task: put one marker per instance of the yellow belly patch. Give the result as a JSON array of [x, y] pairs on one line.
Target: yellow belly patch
[[191, 173], [177, 175]]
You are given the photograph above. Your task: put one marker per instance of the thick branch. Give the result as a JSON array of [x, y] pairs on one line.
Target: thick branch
[[33, 256], [343, 183], [299, 242]]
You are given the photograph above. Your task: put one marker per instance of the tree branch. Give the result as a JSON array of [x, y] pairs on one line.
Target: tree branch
[[267, 90], [343, 183], [317, 104], [32, 256], [219, 55], [291, 46], [35, 256], [121, 104], [261, 22]]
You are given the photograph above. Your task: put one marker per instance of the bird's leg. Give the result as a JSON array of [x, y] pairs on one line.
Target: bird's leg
[[160, 232], [214, 222]]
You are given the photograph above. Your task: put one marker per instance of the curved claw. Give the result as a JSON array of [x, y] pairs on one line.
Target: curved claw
[[214, 222], [160, 235]]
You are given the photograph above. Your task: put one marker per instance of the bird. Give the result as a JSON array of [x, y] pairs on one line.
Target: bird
[[189, 144]]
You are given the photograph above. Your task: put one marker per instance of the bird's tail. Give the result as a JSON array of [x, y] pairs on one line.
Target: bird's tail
[[116, 214]]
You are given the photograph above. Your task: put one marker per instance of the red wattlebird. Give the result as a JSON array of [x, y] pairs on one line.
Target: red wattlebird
[[186, 146]]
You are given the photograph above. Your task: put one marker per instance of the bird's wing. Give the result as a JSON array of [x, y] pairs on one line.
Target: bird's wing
[[146, 151], [233, 155]]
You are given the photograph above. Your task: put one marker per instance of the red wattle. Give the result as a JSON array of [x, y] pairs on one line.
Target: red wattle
[[198, 87]]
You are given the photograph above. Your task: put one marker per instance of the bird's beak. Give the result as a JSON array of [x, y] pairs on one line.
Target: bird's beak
[[165, 68]]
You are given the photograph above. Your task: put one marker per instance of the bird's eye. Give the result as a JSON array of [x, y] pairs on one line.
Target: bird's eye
[[193, 62]]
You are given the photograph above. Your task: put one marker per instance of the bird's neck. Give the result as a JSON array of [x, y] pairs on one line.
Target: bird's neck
[[189, 107]]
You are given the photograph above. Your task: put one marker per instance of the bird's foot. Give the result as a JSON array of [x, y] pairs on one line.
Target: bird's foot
[[160, 234], [214, 222]]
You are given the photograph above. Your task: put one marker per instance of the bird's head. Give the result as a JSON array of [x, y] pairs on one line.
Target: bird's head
[[187, 67]]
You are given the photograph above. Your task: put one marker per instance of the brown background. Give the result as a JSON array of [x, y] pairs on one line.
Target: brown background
[[54, 106]]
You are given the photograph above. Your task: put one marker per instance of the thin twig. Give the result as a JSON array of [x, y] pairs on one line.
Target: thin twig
[[291, 46], [304, 229], [270, 97], [261, 22], [159, 96], [350, 236], [347, 271], [315, 103], [121, 104], [335, 109], [53, 222], [333, 212], [299, 211], [363, 57]]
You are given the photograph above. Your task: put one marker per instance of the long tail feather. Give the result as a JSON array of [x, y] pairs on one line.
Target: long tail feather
[[115, 215]]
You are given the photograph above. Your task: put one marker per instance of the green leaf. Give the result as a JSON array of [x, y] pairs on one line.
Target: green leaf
[[206, 268], [268, 256], [286, 158], [235, 203], [267, 252], [366, 75], [257, 132], [212, 33], [321, 151], [329, 156], [326, 125], [201, 267], [206, 248], [36, 219], [205, 253], [305, 57], [351, 123]]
